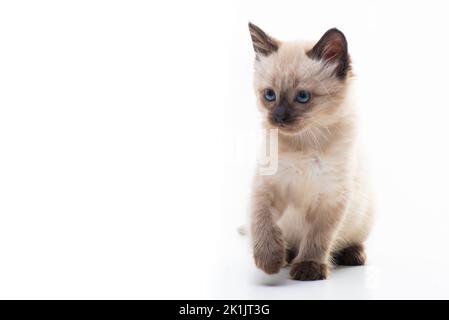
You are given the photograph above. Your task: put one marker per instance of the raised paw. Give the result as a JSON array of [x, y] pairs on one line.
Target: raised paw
[[351, 256], [269, 251], [308, 270]]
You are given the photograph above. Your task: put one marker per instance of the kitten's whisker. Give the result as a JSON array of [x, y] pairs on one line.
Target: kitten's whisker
[[314, 139], [326, 134]]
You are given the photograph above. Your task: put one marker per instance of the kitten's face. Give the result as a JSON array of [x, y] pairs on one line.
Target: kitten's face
[[299, 85]]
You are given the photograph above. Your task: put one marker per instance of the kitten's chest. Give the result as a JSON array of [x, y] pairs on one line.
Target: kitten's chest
[[302, 176]]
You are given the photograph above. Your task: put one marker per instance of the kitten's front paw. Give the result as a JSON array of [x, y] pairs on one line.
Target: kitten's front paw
[[269, 251], [309, 270]]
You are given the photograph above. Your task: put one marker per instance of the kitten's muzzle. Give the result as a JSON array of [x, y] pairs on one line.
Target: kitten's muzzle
[[281, 115]]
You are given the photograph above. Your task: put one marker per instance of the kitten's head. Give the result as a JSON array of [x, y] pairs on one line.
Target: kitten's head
[[300, 85]]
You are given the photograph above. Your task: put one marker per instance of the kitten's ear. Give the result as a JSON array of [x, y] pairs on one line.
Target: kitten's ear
[[263, 44], [333, 48]]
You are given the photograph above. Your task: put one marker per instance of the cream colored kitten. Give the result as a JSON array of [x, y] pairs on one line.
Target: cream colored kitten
[[316, 209]]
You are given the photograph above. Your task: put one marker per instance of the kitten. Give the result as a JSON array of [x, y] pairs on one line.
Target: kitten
[[316, 209]]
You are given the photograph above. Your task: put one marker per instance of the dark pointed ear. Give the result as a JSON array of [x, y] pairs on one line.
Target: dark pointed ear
[[263, 44], [333, 48]]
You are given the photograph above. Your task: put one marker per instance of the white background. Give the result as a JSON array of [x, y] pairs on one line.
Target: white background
[[128, 138]]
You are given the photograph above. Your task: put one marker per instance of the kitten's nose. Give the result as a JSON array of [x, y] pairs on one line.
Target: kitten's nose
[[280, 115]]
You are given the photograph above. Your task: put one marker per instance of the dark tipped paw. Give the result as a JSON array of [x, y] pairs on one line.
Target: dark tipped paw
[[269, 252], [308, 271], [351, 256], [270, 261]]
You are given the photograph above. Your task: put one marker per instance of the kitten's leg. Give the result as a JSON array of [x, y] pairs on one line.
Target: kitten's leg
[[314, 252], [268, 243], [290, 254], [351, 256]]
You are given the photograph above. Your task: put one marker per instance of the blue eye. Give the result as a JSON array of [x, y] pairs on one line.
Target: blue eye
[[270, 95], [303, 96]]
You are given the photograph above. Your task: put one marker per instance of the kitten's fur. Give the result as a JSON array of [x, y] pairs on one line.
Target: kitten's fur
[[316, 209]]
